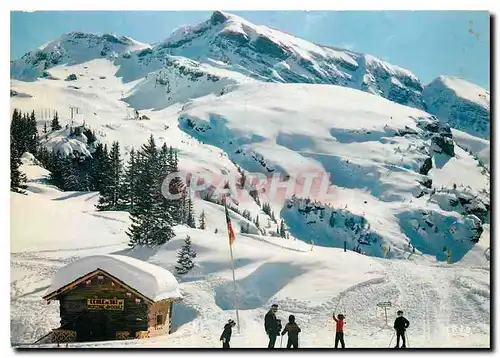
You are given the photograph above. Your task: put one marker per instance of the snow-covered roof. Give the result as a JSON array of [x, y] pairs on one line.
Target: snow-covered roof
[[150, 280]]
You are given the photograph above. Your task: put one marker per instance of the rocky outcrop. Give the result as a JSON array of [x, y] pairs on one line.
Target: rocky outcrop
[[426, 166], [71, 77], [440, 134]]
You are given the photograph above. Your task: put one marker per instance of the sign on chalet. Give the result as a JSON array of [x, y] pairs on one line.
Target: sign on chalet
[[106, 297]]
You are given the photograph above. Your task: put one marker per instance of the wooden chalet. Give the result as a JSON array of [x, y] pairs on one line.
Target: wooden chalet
[[101, 304]]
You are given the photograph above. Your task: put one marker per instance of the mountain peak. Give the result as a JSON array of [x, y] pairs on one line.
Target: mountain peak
[[464, 105], [219, 17]]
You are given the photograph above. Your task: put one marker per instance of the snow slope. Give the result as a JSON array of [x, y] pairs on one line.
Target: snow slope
[[464, 105], [479, 147], [448, 305], [358, 140], [375, 151]]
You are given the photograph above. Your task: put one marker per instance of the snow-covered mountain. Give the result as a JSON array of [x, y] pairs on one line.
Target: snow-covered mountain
[[72, 48], [228, 43], [461, 104], [271, 55]]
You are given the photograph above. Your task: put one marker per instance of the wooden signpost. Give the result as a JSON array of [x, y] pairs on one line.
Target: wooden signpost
[[385, 305]]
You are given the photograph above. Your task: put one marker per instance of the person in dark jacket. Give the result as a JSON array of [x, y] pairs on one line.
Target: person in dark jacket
[[400, 325], [272, 325], [226, 334], [339, 330], [293, 332]]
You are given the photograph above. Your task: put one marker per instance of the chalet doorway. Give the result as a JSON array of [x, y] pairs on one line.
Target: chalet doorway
[[93, 326]]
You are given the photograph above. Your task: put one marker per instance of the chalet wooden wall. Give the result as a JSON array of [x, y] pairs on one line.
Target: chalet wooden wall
[[163, 308], [102, 324]]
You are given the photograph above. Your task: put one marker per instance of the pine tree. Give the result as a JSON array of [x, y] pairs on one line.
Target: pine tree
[[266, 208], [91, 138], [43, 156], [16, 132], [176, 187], [55, 126], [102, 175], [332, 220], [151, 224], [162, 209], [190, 213], [129, 185], [17, 178], [242, 180], [256, 222], [185, 257], [245, 228], [273, 218], [32, 133], [142, 215], [110, 190], [183, 211], [70, 174], [282, 231], [99, 158], [255, 195], [202, 221], [246, 214], [56, 169], [23, 132], [76, 172], [45, 128], [77, 132], [163, 167]]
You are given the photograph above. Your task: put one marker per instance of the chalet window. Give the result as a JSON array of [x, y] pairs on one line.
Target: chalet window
[[160, 319]]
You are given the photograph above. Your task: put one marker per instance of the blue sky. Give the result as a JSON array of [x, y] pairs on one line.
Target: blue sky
[[429, 43]]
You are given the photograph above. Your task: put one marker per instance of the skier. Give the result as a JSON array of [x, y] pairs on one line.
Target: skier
[[272, 325], [400, 325], [339, 330], [293, 332], [226, 334]]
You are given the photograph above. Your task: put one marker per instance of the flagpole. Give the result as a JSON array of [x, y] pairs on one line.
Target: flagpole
[[231, 239], [235, 291]]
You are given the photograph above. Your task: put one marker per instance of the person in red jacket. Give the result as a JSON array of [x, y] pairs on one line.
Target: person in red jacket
[[339, 330]]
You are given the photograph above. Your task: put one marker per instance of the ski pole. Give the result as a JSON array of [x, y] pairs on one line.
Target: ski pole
[[393, 334], [338, 302]]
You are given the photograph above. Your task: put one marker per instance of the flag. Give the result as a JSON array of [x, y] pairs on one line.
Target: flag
[[229, 226]]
